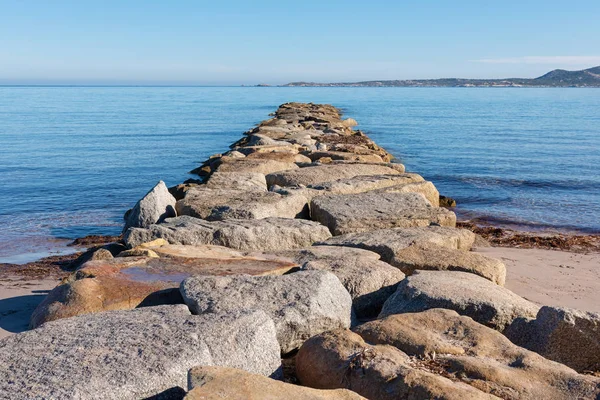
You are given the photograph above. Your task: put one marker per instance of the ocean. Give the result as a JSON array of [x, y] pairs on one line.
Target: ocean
[[74, 159]]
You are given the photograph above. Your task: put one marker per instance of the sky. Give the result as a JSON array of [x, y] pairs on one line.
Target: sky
[[224, 42]]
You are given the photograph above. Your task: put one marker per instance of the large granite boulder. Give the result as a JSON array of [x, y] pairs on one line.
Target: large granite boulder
[[222, 204], [569, 336], [217, 383], [440, 258], [344, 155], [479, 356], [302, 304], [327, 173], [369, 211], [267, 234], [369, 280], [365, 183], [132, 354], [426, 188], [237, 181], [466, 293], [263, 166], [389, 242], [157, 205], [342, 359], [130, 282]]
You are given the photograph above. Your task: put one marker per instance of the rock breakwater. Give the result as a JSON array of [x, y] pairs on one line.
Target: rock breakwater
[[303, 245]]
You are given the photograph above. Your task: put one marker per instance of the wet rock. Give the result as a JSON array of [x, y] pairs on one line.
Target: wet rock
[[212, 383], [447, 201], [466, 293], [129, 282], [370, 211], [342, 359], [439, 258], [388, 242], [326, 173], [369, 280], [222, 204], [569, 336], [267, 234], [302, 304], [132, 354], [157, 205], [478, 356]]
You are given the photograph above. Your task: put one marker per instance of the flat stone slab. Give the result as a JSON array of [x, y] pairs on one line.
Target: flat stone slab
[[365, 183], [327, 173], [479, 356], [237, 181], [254, 165], [301, 304], [465, 293], [212, 383], [222, 204], [129, 282], [425, 188], [369, 280], [438, 258], [269, 234], [132, 354], [388, 242], [370, 211]]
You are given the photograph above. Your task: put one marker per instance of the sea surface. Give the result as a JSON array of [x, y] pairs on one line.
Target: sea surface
[[74, 159]]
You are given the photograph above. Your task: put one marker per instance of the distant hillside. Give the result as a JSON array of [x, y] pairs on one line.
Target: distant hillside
[[557, 78]]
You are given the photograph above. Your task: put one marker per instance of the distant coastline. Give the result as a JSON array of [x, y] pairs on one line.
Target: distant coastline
[[587, 78]]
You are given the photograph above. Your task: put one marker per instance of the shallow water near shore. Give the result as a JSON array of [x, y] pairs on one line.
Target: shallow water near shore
[[73, 159]]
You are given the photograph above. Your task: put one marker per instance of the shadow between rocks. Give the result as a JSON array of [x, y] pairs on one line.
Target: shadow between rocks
[[15, 312]]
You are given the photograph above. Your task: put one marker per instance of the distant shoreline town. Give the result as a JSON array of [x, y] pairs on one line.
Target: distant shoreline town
[[556, 78]]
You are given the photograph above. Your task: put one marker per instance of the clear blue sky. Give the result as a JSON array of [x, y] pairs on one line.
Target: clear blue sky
[[247, 42]]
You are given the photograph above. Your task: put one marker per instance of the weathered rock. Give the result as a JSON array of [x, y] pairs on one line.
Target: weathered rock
[[101, 254], [446, 201], [363, 212], [326, 173], [153, 208], [479, 356], [368, 280], [258, 165], [365, 183], [267, 234], [132, 354], [388, 242], [222, 204], [342, 155], [350, 122], [237, 181], [468, 294], [342, 359], [571, 337], [302, 304], [217, 383], [126, 283], [439, 258], [179, 191], [426, 188]]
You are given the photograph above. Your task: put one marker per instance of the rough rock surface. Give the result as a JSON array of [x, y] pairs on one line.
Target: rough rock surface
[[263, 166], [217, 383], [369, 280], [479, 356], [326, 173], [302, 304], [157, 205], [441, 259], [365, 183], [237, 181], [267, 234], [571, 337], [222, 204], [388, 242], [132, 354], [466, 293], [129, 282], [362, 212], [342, 359], [425, 188]]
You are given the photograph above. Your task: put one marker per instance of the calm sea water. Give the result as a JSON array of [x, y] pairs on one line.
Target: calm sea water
[[73, 159]]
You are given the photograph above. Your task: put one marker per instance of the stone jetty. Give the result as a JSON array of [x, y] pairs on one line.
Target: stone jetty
[[303, 263]]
